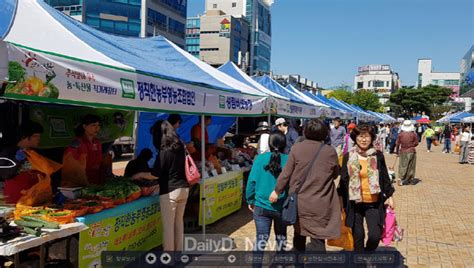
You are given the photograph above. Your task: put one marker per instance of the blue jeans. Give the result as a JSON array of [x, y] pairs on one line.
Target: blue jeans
[[447, 145], [429, 141], [263, 222]]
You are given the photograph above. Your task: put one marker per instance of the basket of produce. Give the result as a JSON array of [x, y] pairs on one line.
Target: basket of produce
[[78, 210], [61, 217], [94, 207]]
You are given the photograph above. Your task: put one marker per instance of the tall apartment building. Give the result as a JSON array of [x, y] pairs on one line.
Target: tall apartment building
[[467, 71], [139, 18], [426, 76], [379, 78], [258, 16], [193, 35], [223, 38]]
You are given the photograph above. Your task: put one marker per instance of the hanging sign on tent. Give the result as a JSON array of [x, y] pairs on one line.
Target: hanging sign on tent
[[41, 76], [59, 123]]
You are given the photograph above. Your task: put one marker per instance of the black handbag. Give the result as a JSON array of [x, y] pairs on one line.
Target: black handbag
[[289, 214]]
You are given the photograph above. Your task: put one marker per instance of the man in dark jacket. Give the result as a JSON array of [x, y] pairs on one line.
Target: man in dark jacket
[[289, 132], [447, 139]]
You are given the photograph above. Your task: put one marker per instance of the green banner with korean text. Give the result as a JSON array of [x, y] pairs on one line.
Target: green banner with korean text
[[134, 226], [223, 196], [59, 123]]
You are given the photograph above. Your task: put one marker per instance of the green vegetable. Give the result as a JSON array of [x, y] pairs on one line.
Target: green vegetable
[[47, 224], [16, 72], [31, 224], [60, 214], [91, 204], [36, 231], [50, 92]]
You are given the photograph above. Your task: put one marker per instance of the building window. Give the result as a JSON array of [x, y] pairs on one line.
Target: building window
[[369, 83], [234, 4], [209, 49], [378, 83], [388, 83], [360, 85], [420, 79], [214, 6]]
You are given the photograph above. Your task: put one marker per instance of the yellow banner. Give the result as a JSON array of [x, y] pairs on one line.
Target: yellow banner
[[134, 226], [223, 196]]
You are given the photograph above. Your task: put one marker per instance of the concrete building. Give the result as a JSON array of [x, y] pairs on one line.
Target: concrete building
[[223, 38], [379, 78], [467, 71], [72, 8], [298, 81], [426, 76], [193, 30], [139, 18], [258, 15]]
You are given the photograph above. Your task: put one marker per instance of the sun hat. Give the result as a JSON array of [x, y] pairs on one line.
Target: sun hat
[[407, 126], [263, 125], [351, 126]]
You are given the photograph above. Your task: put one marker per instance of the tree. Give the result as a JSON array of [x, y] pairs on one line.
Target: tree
[[367, 100], [342, 94], [406, 101]]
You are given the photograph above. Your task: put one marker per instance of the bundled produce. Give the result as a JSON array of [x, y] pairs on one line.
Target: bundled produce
[[56, 216], [120, 190]]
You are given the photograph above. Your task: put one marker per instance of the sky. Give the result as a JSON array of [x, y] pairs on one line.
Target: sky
[[326, 40]]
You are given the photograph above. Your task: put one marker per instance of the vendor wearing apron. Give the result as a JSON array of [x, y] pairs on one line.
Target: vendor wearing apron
[[86, 143], [17, 174]]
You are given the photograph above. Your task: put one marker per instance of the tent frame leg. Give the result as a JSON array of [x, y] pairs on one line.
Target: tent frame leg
[[203, 169]]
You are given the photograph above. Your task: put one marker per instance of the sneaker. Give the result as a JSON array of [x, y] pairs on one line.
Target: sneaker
[[428, 151]]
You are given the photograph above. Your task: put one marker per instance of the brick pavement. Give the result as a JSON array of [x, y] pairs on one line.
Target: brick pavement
[[436, 214]]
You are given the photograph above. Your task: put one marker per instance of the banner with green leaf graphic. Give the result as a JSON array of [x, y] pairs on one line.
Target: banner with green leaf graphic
[[59, 123]]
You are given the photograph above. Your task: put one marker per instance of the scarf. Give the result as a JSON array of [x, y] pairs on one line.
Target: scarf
[[353, 166]]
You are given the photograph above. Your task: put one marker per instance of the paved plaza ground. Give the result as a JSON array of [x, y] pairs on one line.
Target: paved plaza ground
[[437, 214]]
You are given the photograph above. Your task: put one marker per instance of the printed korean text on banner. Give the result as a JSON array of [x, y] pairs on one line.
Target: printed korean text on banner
[[223, 196], [48, 77], [137, 227]]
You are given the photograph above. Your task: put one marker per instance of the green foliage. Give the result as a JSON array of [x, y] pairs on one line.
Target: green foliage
[[367, 100], [16, 72], [342, 94], [406, 101]]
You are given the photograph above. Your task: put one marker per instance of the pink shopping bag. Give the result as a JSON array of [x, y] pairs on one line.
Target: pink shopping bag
[[390, 226]]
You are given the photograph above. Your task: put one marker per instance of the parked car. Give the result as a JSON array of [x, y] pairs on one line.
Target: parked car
[[123, 145]]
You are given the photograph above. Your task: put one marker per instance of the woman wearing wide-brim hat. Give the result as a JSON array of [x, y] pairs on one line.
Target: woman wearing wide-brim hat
[[406, 149], [264, 131]]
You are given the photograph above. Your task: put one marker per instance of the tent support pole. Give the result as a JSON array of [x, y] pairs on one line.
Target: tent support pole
[[203, 169], [269, 120], [236, 126], [135, 133]]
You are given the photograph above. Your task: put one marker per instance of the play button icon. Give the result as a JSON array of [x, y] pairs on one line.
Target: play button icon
[[150, 258], [165, 258]]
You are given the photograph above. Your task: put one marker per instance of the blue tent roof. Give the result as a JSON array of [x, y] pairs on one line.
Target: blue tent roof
[[457, 118], [157, 55], [7, 14], [274, 86]]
